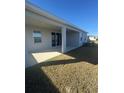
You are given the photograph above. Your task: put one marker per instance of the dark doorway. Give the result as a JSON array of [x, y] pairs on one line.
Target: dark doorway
[[56, 39]]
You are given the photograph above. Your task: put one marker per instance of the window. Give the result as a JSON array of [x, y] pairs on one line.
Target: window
[[37, 36]]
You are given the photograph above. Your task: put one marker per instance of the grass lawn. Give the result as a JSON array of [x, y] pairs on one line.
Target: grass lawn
[[72, 72]]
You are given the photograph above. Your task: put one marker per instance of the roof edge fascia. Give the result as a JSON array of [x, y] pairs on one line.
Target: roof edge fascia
[[37, 9]]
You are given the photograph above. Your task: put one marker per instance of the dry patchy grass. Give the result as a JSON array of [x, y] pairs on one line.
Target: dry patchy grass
[[73, 72]]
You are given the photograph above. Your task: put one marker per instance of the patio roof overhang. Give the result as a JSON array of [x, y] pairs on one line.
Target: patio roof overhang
[[44, 16]]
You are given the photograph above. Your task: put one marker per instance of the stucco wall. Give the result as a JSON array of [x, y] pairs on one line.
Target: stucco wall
[[84, 38], [30, 46], [72, 38], [80, 40], [45, 42]]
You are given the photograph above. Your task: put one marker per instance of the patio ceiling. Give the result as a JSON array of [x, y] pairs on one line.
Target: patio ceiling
[[30, 20]]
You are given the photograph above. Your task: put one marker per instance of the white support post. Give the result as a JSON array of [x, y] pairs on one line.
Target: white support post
[[63, 39]]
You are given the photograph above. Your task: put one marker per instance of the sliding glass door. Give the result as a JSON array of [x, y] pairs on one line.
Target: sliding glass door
[[56, 39]]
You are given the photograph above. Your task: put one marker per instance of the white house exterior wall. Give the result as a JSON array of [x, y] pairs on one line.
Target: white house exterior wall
[[80, 40], [44, 22], [46, 42], [84, 38], [72, 38]]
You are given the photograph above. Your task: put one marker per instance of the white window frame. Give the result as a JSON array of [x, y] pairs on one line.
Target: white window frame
[[37, 34]]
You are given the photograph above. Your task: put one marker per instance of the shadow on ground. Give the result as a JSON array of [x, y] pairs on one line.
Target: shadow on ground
[[85, 54], [36, 80]]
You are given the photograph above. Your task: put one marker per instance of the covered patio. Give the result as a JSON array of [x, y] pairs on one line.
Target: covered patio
[[57, 36], [42, 56], [69, 35]]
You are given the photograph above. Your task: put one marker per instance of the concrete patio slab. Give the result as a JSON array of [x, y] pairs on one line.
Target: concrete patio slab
[[43, 56], [36, 57]]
